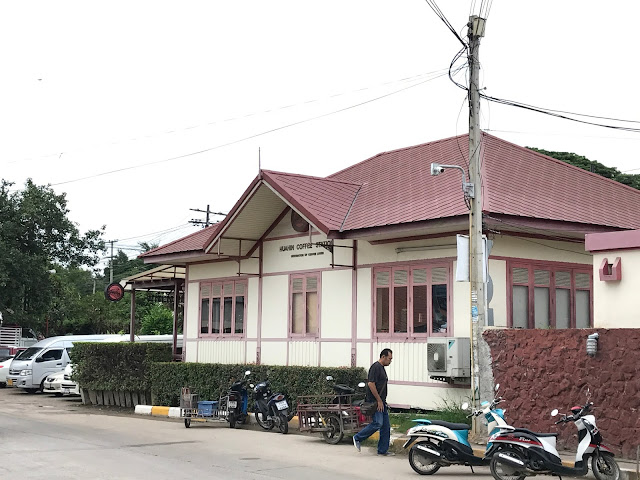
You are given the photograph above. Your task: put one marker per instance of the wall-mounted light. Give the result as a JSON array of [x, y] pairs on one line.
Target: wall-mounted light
[[592, 344]]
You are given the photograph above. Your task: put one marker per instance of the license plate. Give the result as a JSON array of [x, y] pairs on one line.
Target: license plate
[[9, 382], [232, 404], [66, 390], [282, 405]]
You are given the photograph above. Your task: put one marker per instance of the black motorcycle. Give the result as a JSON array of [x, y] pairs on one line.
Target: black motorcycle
[[344, 394], [271, 409], [237, 400]]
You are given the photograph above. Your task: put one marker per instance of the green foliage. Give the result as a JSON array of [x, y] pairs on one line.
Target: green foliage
[[210, 380], [158, 320], [116, 366], [36, 235], [593, 166]]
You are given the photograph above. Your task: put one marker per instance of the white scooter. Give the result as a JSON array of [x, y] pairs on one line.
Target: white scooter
[[522, 452], [437, 443]]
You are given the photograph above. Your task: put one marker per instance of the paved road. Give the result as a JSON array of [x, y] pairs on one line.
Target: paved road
[[44, 437]]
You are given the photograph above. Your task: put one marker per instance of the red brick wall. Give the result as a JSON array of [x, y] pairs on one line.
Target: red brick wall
[[539, 370]]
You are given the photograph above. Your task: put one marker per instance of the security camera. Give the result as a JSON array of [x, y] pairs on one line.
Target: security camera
[[436, 169]]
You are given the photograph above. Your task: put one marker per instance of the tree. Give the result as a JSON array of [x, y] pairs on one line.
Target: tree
[[157, 321], [593, 166], [37, 237]]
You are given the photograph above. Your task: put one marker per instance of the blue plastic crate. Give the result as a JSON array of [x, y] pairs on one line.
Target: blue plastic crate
[[207, 408]]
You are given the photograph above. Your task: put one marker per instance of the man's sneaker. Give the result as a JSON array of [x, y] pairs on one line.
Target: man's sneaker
[[387, 454], [356, 443]]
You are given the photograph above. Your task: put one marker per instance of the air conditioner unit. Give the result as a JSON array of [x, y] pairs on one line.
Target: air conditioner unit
[[449, 359]]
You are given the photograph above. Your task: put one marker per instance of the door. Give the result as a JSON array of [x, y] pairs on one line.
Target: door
[[50, 361]]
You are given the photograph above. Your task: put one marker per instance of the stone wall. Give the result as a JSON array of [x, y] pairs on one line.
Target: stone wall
[[539, 370]]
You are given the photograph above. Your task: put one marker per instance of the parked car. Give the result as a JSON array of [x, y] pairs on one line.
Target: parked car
[[69, 386], [4, 370], [53, 384]]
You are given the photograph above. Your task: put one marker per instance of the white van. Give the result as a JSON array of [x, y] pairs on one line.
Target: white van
[[31, 367]]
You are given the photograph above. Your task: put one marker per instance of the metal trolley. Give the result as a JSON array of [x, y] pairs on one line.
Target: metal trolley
[[333, 417], [192, 409]]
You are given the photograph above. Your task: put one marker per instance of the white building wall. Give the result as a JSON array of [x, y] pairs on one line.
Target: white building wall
[[221, 351], [275, 307], [539, 249], [364, 304], [437, 248], [335, 354], [616, 304], [205, 271], [251, 330], [304, 353], [191, 314], [273, 353], [336, 304]]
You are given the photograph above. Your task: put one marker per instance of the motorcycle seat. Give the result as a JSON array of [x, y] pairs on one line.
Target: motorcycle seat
[[343, 389], [451, 426], [537, 434]]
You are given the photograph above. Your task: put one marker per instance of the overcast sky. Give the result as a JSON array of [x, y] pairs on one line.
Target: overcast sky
[[139, 88]]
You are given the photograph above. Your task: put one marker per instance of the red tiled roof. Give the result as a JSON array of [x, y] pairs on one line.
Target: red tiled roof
[[191, 243], [323, 201], [397, 187]]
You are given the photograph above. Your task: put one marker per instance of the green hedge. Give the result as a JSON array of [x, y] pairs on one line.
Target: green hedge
[[116, 366], [210, 380]]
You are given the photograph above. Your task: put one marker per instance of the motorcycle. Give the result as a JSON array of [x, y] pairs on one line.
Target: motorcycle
[[271, 409], [344, 393], [522, 452], [237, 401], [436, 443]]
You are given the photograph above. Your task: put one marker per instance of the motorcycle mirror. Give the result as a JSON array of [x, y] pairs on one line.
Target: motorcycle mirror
[[497, 387], [247, 373], [361, 384], [554, 412], [329, 378], [464, 406]]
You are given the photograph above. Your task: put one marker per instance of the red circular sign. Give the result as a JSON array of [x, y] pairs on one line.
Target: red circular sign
[[114, 292]]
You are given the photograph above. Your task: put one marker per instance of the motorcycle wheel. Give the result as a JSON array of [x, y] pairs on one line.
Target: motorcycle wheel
[[604, 467], [262, 420], [422, 463], [335, 434], [187, 422], [232, 421], [284, 424], [501, 471]]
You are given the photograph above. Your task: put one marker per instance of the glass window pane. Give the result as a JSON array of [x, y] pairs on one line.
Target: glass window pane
[[400, 309], [541, 307], [312, 313], [239, 317], [563, 308], [204, 315], [297, 313], [228, 307], [215, 315], [382, 310], [420, 309], [520, 306], [439, 308], [583, 309]]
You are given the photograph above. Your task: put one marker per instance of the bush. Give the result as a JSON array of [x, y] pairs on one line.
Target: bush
[[157, 321], [210, 380], [116, 366]]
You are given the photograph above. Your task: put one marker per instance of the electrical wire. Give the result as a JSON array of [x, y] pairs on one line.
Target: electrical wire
[[282, 127], [558, 114], [442, 17]]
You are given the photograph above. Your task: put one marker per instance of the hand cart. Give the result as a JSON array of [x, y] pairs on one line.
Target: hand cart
[[193, 409], [326, 414]]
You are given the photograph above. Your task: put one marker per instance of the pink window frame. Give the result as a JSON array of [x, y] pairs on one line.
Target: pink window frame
[[552, 267], [222, 282], [318, 289], [410, 267]]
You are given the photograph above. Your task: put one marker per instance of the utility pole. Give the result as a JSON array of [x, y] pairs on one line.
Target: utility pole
[[111, 261], [208, 211], [476, 246]]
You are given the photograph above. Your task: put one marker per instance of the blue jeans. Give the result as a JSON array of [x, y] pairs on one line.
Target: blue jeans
[[380, 422]]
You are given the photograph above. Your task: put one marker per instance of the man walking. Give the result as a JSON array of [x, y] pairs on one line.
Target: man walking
[[377, 382]]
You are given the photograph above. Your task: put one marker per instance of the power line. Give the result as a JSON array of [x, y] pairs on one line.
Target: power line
[[442, 17], [239, 117], [171, 229], [250, 136]]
